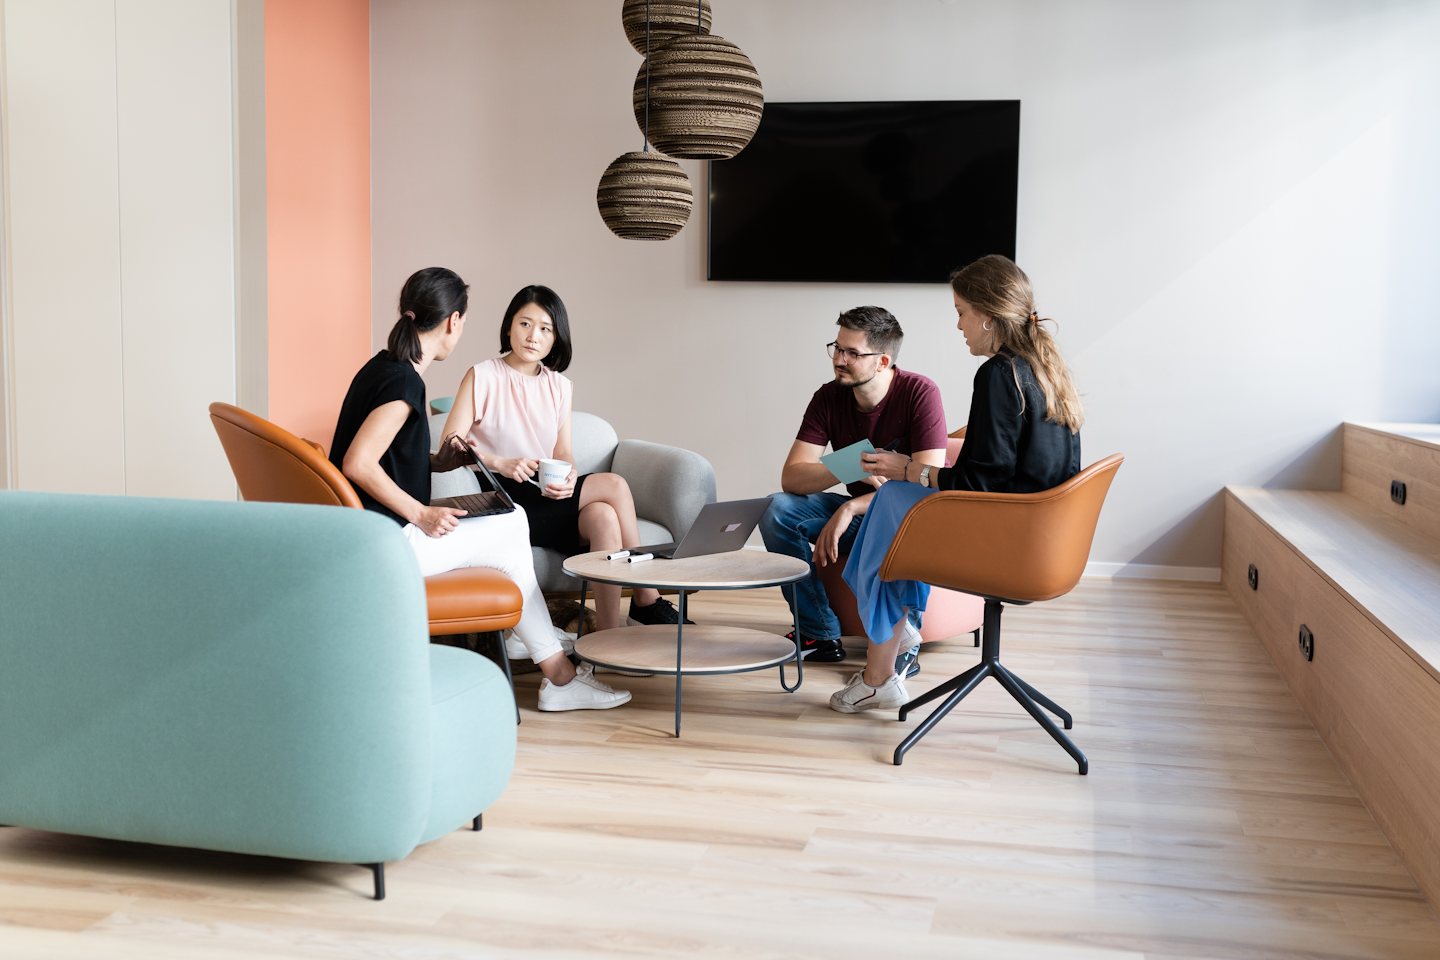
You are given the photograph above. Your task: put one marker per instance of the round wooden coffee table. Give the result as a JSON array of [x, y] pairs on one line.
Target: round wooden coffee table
[[661, 649]]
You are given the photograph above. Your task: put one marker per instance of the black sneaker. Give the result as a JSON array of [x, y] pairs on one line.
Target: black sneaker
[[660, 612], [908, 663], [819, 651]]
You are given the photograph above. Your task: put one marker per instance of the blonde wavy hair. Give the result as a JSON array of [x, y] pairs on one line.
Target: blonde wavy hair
[[997, 288]]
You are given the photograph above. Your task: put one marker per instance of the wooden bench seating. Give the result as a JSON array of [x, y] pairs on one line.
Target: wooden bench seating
[[1360, 575]]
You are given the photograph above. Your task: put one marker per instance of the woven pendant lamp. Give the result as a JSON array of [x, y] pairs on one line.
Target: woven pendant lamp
[[705, 97], [644, 196], [668, 18]]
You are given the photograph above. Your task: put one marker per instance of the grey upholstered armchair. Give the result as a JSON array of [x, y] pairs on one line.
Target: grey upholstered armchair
[[670, 485]]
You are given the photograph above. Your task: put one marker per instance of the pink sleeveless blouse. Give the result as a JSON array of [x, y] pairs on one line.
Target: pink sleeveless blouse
[[516, 415]]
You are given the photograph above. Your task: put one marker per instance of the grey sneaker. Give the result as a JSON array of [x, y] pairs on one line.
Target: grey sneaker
[[582, 693]]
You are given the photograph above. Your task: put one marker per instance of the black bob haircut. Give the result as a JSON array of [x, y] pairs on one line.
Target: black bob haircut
[[548, 300]]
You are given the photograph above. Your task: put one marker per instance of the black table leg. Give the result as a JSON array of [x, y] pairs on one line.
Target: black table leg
[[679, 660], [799, 659]]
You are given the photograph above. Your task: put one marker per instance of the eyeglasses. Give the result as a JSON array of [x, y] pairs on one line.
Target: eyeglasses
[[836, 351]]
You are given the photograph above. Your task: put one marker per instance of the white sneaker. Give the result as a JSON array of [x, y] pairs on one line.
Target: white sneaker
[[582, 693], [858, 695], [909, 638]]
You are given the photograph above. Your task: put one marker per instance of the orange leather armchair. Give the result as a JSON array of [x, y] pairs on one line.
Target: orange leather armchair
[[1019, 548], [272, 464]]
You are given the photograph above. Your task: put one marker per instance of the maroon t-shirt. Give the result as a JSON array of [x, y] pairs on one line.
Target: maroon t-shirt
[[911, 412]]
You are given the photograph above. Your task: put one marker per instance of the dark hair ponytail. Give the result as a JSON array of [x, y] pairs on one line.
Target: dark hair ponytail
[[427, 299]]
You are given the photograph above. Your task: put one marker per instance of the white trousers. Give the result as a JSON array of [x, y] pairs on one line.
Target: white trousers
[[501, 542]]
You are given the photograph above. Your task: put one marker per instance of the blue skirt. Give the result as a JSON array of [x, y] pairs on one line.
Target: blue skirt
[[882, 604]]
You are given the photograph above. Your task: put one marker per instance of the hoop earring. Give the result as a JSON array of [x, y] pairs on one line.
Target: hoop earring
[[985, 325]]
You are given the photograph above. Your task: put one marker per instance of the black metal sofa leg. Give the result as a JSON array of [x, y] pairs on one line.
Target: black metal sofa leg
[[476, 823], [379, 870]]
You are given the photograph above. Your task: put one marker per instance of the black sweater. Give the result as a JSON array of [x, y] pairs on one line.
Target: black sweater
[[1007, 449]]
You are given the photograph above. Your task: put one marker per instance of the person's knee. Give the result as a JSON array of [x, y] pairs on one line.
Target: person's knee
[[612, 487], [600, 520], [780, 516]]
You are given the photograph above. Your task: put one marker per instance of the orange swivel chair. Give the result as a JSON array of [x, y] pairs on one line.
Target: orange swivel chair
[[271, 464], [1020, 548]]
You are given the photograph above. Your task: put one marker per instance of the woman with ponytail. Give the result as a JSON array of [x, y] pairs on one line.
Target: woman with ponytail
[[382, 444], [1023, 436]]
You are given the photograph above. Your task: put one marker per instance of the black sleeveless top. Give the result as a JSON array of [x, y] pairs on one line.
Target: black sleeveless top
[[407, 460], [1010, 449]]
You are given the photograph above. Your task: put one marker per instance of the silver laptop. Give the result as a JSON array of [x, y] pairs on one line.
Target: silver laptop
[[720, 528]]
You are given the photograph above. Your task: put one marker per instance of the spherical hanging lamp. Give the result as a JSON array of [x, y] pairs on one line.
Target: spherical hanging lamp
[[644, 196], [705, 97], [668, 18]]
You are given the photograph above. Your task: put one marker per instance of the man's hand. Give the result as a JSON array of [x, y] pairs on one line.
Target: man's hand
[[438, 521], [827, 544], [884, 465]]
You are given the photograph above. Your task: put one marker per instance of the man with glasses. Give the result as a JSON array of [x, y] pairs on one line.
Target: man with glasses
[[870, 398]]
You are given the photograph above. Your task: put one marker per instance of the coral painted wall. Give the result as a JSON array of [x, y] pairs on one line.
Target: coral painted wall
[[317, 104]]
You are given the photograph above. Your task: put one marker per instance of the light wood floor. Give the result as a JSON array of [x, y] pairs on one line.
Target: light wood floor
[[1213, 824]]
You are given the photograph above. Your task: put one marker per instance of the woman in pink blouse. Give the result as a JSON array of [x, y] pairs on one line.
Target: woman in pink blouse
[[514, 411]]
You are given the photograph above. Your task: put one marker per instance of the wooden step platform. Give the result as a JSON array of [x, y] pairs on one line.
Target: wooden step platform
[[1360, 577]]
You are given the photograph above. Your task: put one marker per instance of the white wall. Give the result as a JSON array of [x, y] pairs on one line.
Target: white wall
[[120, 252], [1229, 207]]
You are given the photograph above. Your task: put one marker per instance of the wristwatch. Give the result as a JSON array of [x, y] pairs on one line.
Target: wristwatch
[[925, 475]]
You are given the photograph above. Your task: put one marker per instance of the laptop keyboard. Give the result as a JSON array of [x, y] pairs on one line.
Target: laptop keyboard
[[474, 504]]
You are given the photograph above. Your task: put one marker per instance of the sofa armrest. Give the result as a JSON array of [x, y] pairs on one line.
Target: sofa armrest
[[669, 484]]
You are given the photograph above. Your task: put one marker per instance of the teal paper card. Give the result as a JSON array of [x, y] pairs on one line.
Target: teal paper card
[[845, 462]]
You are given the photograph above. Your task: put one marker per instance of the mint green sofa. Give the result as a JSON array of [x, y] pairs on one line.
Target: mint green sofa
[[249, 677]]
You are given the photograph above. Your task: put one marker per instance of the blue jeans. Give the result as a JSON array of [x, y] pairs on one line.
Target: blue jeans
[[789, 527]]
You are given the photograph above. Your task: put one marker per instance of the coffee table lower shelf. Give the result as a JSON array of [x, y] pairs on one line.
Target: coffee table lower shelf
[[707, 650]]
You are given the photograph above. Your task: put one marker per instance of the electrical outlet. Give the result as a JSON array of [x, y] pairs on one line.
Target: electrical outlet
[[1307, 642], [1397, 491], [1253, 576]]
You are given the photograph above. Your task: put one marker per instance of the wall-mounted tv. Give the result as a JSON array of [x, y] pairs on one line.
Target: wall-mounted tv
[[880, 192]]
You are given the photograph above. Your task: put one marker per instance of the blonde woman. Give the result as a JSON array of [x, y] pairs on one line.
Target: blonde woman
[[1023, 436]]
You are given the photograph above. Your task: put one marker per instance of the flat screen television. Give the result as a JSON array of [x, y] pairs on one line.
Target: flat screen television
[[879, 192]]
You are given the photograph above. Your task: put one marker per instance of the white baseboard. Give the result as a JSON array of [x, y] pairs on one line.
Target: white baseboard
[[1151, 571]]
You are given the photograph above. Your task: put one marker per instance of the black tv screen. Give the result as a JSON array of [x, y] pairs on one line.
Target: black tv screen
[[881, 192]]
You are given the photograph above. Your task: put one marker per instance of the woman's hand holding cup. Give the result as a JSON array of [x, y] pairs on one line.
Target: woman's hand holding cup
[[561, 490]]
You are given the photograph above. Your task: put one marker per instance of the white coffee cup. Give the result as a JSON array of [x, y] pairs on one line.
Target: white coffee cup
[[550, 471]]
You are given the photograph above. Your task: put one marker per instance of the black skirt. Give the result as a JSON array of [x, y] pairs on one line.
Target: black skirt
[[553, 523]]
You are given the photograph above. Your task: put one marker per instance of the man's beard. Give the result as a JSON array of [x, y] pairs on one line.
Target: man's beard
[[857, 383]]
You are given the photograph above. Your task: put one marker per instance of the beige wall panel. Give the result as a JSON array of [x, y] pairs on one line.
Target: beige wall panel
[[64, 253], [252, 320], [177, 241], [1373, 458]]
